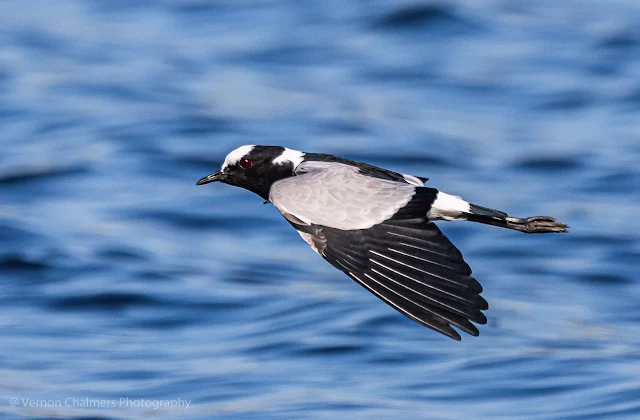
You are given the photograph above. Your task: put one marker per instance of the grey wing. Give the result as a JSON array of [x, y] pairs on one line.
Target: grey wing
[[411, 266], [337, 195]]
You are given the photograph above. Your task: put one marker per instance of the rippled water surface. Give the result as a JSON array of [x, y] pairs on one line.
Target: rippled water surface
[[122, 280]]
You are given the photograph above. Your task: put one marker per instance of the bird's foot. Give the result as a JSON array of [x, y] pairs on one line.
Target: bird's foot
[[536, 224]]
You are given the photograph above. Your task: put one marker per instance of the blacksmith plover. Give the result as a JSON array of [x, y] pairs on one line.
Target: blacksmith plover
[[377, 226]]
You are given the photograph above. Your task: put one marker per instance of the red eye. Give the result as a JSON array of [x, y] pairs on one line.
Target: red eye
[[245, 163]]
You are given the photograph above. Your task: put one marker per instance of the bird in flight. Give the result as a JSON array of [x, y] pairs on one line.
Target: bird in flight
[[376, 226]]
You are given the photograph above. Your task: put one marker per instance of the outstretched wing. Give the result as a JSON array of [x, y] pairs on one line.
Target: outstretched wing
[[410, 265], [376, 231]]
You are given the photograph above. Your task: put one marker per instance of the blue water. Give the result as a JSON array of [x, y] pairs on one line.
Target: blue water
[[119, 279]]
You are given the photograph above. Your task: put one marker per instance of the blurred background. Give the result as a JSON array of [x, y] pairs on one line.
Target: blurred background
[[121, 279]]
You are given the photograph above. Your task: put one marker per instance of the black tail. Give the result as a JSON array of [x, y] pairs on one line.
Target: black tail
[[534, 224]]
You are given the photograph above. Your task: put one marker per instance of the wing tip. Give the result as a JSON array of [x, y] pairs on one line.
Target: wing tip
[[443, 328], [469, 329], [455, 337]]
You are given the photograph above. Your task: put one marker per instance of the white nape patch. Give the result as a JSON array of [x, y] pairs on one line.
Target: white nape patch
[[448, 207], [233, 157], [289, 155], [413, 180]]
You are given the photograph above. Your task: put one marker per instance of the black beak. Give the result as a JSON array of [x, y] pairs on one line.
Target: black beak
[[216, 176]]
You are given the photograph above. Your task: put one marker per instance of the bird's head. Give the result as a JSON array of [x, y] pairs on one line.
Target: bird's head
[[256, 168]]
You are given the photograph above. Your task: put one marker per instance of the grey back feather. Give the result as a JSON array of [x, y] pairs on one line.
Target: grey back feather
[[337, 195]]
